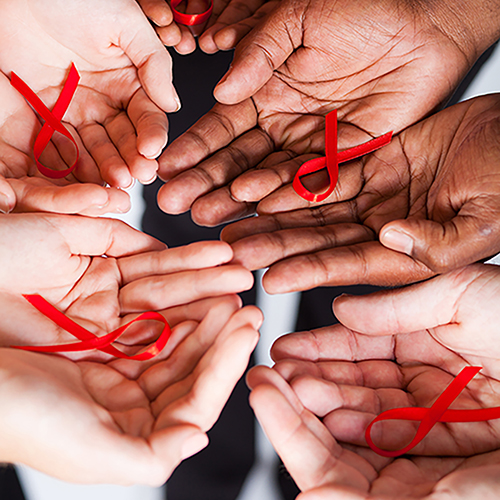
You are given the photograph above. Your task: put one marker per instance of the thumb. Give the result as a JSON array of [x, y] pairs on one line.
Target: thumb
[[261, 52], [405, 310], [152, 60], [445, 246]]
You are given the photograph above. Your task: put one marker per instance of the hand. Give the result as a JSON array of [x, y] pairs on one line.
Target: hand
[[395, 348], [383, 65], [143, 418], [424, 204], [23, 188], [101, 273], [230, 21], [126, 82]]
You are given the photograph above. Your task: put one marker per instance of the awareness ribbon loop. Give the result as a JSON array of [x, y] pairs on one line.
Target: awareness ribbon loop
[[333, 158], [52, 119], [90, 341], [190, 19], [438, 412]]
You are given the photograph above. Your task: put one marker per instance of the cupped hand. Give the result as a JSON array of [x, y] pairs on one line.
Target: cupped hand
[[124, 422], [383, 65], [424, 204], [102, 273], [23, 188], [398, 348], [126, 81]]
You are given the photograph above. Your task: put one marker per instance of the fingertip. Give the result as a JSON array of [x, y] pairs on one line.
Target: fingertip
[[395, 239]]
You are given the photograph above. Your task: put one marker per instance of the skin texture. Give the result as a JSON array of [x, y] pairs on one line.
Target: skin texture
[[144, 418], [436, 185], [230, 21], [383, 65], [125, 88], [394, 349], [102, 273], [23, 188]]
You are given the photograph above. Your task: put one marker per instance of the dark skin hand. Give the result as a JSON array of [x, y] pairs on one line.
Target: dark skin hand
[[383, 65], [425, 204], [398, 348]]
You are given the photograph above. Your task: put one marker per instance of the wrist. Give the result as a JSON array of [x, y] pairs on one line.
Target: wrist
[[472, 25]]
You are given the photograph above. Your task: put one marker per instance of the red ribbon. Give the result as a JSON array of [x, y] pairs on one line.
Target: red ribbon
[[91, 341], [52, 119], [190, 19], [438, 412], [333, 158]]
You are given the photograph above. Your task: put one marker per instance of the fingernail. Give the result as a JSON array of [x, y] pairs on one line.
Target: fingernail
[[193, 445], [177, 100], [5, 207], [397, 240]]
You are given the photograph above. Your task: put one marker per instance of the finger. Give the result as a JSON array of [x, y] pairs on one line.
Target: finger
[[228, 37], [310, 460], [157, 11], [151, 125], [215, 130], [445, 246], [313, 217], [199, 255], [159, 292], [218, 207], [332, 343], [246, 151], [86, 169], [123, 135], [112, 168], [174, 444], [349, 186], [83, 199], [275, 171], [169, 35], [153, 62], [258, 55], [363, 263], [262, 250], [100, 236], [225, 14], [374, 373], [213, 381], [421, 306], [187, 43], [187, 354]]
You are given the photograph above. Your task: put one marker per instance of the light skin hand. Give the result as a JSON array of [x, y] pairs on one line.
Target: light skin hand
[[435, 184], [24, 189], [395, 349], [119, 107], [144, 418], [383, 65], [62, 260]]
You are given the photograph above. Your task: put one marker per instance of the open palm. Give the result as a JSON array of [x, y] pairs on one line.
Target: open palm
[[125, 87], [125, 422], [414, 342], [422, 205], [383, 66]]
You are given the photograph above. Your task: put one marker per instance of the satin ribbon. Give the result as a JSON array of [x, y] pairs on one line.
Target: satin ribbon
[[88, 340], [190, 19], [52, 119], [438, 412], [333, 158]]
